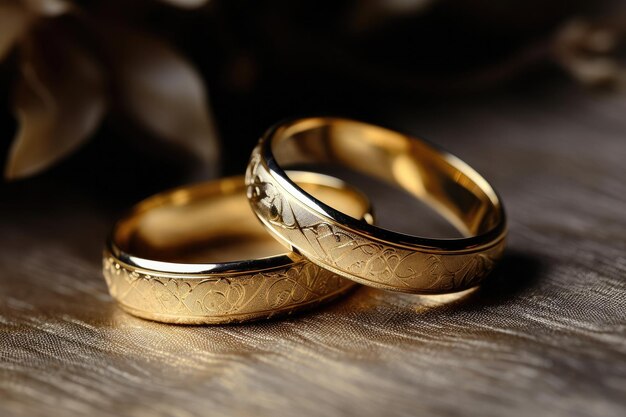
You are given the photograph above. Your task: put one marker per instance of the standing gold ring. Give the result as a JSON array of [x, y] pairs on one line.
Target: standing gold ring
[[154, 263], [360, 251]]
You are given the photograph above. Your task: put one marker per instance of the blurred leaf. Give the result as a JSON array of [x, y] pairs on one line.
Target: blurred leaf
[[59, 101], [371, 14], [164, 93], [14, 20], [48, 8]]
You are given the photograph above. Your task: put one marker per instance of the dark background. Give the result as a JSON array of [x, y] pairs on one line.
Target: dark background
[[383, 62]]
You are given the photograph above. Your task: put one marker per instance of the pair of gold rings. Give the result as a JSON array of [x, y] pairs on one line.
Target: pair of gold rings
[[155, 260]]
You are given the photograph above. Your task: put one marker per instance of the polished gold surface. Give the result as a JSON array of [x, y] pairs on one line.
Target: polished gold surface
[[355, 249], [198, 255]]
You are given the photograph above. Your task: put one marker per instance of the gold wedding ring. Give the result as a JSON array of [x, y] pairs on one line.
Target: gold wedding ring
[[155, 261], [352, 248]]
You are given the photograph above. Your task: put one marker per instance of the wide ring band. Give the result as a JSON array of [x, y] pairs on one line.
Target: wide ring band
[[360, 251], [148, 270]]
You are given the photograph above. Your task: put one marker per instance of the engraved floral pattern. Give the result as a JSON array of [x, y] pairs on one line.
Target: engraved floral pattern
[[357, 257], [232, 297]]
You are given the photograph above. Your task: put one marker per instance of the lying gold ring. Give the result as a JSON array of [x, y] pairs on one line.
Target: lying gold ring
[[360, 251], [151, 261]]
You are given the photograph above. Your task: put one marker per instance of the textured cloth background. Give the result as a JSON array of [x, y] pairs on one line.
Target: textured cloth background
[[544, 336]]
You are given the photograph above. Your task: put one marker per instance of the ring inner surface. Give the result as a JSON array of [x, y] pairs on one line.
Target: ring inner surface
[[440, 180], [213, 222]]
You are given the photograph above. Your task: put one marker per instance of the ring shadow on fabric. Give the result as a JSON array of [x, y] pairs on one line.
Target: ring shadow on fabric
[[516, 274]]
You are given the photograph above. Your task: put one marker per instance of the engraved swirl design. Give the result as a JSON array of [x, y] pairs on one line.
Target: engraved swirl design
[[370, 262], [224, 298]]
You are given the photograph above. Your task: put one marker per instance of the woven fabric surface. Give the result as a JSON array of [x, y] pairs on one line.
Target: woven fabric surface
[[545, 335]]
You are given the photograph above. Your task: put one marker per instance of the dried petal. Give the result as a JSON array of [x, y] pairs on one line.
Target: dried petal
[[186, 4], [589, 51], [164, 93], [59, 101], [14, 21]]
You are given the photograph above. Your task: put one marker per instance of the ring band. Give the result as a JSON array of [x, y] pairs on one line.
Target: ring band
[[360, 251], [150, 263]]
